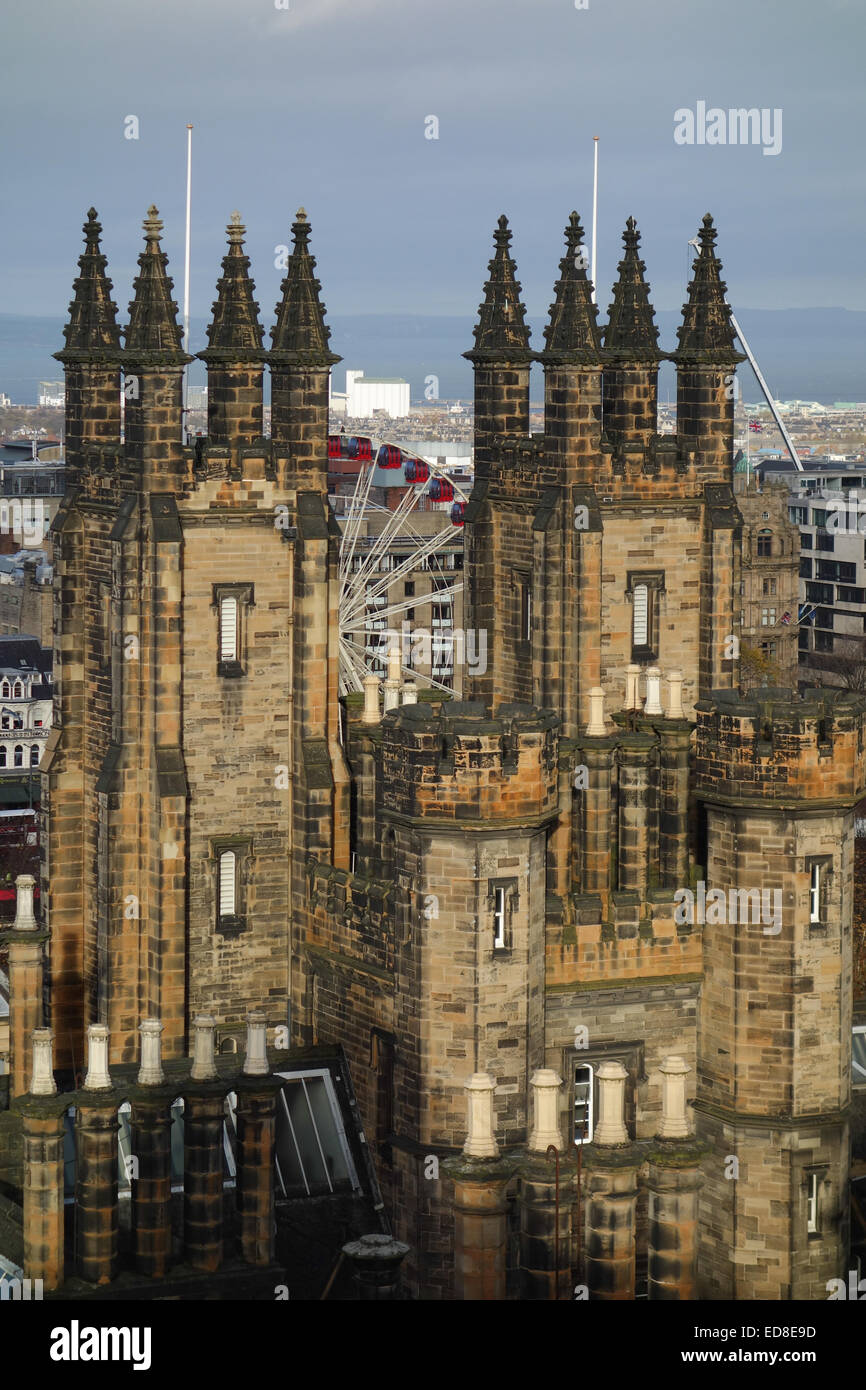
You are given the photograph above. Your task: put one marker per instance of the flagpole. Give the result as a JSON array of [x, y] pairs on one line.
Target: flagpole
[[186, 271], [594, 210]]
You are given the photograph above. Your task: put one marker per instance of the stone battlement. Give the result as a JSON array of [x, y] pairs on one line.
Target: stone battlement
[[777, 745], [465, 765]]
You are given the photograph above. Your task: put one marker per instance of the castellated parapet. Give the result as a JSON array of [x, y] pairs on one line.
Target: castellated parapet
[[464, 765], [778, 776], [469, 962], [778, 746]]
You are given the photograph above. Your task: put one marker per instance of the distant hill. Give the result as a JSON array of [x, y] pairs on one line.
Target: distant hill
[[810, 354]]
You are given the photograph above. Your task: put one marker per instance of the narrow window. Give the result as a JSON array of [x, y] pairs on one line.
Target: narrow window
[[812, 1224], [525, 611], [34, 755], [2, 754], [815, 893], [228, 629], [640, 620], [18, 755], [583, 1104], [765, 544], [227, 883], [499, 942], [232, 604]]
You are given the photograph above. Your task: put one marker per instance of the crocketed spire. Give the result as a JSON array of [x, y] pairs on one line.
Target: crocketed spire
[[501, 332], [572, 335], [631, 333], [235, 332], [92, 332], [706, 334], [153, 334], [300, 335]]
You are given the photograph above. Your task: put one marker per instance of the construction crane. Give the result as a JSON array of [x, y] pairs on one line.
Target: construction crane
[[768, 395]]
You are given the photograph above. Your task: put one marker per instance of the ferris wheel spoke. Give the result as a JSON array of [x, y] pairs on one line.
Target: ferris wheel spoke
[[357, 624], [364, 585], [412, 562], [357, 511], [381, 655]]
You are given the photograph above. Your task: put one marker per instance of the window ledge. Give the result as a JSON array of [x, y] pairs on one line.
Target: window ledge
[[231, 926]]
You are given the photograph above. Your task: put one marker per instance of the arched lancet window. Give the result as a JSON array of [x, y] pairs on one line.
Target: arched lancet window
[[18, 755], [2, 754], [4, 690], [228, 629], [34, 755], [227, 883], [18, 691], [641, 616]]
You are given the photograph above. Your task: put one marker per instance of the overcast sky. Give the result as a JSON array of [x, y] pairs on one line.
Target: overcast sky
[[325, 104]]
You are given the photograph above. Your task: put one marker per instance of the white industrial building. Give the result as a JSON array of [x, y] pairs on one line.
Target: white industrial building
[[364, 395], [52, 393]]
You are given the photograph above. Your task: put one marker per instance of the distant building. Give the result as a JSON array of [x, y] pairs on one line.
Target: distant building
[[827, 503], [366, 394], [25, 702], [4, 401], [52, 393], [31, 492], [26, 603], [769, 584]]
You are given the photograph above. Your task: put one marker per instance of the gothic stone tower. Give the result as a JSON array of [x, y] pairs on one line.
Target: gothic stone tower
[[196, 656], [604, 543], [779, 777]]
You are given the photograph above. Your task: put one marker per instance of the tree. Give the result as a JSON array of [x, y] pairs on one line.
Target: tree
[[756, 669], [845, 666]]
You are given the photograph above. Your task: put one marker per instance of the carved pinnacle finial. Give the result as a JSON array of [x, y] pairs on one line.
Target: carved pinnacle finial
[[501, 331], [92, 329], [706, 335], [572, 333], [631, 330]]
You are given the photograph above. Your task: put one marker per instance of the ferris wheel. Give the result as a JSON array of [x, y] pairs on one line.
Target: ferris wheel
[[376, 557]]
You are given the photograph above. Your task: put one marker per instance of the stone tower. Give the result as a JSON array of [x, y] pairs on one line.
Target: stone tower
[[778, 777], [473, 899], [197, 740]]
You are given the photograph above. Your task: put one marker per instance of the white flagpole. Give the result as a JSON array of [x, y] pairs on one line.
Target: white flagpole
[[186, 268], [594, 211]]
